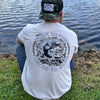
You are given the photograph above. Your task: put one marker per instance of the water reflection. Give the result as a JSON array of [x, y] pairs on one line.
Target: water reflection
[[82, 16]]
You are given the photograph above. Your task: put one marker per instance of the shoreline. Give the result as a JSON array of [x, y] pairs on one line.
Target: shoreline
[[87, 60], [7, 56], [84, 59]]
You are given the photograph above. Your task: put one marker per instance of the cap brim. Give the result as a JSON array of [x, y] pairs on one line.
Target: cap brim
[[48, 16]]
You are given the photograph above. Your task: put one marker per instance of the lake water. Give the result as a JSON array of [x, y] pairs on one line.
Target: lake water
[[82, 16]]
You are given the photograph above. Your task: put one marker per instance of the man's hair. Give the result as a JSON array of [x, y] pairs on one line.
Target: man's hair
[[50, 9]]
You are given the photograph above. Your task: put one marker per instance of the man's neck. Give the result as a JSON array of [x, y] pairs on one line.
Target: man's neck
[[59, 20], [52, 21]]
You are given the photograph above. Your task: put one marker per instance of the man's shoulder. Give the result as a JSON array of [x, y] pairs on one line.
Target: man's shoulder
[[28, 26], [68, 30]]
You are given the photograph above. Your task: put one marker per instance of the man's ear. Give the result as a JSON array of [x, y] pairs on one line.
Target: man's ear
[[60, 17], [61, 14]]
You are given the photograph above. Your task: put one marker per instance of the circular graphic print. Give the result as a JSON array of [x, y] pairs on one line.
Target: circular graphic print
[[50, 50]]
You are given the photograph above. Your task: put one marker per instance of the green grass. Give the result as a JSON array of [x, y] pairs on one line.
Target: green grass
[[85, 86]]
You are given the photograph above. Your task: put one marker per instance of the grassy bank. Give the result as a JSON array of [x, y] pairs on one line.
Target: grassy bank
[[85, 86]]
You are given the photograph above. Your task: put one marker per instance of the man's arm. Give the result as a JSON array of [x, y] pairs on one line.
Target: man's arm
[[74, 56], [19, 41]]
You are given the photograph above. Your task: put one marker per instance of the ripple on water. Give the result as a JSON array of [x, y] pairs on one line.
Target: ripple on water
[[82, 16]]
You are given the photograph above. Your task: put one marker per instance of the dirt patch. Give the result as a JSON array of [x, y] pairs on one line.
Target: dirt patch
[[85, 59], [7, 56]]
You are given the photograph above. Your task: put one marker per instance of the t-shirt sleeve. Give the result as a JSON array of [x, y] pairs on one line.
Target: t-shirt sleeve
[[76, 47], [76, 43], [23, 35]]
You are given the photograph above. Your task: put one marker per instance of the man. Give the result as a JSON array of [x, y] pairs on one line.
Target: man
[[50, 47]]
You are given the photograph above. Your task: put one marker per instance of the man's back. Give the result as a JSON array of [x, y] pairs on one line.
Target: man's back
[[49, 49]]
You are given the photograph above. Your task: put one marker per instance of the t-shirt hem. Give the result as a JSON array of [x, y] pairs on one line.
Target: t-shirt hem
[[48, 97]]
